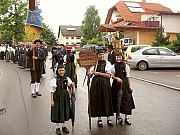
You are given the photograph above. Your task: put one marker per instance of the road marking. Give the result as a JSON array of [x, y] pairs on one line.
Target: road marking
[[156, 83]]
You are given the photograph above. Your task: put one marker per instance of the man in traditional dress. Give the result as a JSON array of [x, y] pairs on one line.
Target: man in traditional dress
[[100, 90], [70, 64], [60, 99], [111, 55], [35, 61]]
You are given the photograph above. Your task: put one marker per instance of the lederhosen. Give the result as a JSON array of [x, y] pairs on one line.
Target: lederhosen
[[35, 75], [61, 111]]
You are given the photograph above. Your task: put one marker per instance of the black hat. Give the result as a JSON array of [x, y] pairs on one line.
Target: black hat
[[37, 40], [100, 51], [60, 66], [110, 46]]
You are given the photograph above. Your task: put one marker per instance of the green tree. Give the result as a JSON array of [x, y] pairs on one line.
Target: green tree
[[12, 20], [48, 36], [95, 41], [91, 23], [176, 43], [160, 38]]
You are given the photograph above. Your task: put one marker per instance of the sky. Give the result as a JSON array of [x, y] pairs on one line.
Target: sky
[[71, 12]]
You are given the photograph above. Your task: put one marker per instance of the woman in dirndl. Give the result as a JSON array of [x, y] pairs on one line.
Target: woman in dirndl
[[122, 97], [100, 90]]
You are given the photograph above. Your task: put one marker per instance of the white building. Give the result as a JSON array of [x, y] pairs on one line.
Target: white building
[[69, 35]]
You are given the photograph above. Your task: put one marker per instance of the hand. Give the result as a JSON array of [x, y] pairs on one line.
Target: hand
[[89, 74], [34, 57], [52, 103], [131, 89], [96, 73], [119, 80], [32, 46]]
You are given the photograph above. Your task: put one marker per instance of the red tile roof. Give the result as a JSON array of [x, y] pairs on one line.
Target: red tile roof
[[127, 15]]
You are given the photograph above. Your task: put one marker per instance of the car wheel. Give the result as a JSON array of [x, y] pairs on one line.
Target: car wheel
[[142, 65]]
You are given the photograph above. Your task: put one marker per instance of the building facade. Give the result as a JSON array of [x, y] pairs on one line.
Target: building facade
[[140, 21], [69, 35]]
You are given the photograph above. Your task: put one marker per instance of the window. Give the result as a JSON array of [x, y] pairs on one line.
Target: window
[[134, 7], [126, 41], [71, 29], [78, 37], [152, 51], [134, 49], [66, 37], [67, 43], [72, 37], [166, 52]]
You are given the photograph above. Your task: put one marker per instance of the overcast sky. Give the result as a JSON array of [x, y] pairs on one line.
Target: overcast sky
[[66, 12]]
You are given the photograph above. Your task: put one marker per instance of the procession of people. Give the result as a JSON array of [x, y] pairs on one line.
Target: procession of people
[[106, 98]]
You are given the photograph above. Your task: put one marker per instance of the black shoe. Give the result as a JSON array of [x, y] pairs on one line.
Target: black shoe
[[127, 121], [99, 122], [109, 122], [58, 131], [38, 94], [33, 95], [65, 130], [120, 121]]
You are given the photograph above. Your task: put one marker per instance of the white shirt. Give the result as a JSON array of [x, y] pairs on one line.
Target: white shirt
[[65, 56], [53, 84], [107, 68], [126, 68]]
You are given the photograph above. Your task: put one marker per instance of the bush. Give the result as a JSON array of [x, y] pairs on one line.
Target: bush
[[176, 43]]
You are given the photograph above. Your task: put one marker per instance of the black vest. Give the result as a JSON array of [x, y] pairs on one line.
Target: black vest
[[101, 66], [120, 68], [61, 83], [70, 58]]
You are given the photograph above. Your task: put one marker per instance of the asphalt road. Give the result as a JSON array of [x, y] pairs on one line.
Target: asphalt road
[[157, 108], [166, 76]]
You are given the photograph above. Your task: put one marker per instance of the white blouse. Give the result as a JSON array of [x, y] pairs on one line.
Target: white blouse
[[53, 84], [126, 68], [107, 68]]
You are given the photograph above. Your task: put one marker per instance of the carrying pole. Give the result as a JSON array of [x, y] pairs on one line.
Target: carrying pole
[[32, 5], [89, 105]]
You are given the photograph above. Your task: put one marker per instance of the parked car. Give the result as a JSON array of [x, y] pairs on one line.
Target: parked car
[[150, 57], [132, 48], [93, 46]]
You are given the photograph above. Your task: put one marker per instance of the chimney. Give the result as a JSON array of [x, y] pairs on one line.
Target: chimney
[[144, 1]]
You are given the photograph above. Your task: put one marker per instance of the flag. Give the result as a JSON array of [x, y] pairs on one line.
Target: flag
[[34, 26]]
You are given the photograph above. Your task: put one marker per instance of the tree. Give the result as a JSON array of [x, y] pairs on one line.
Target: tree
[[161, 39], [12, 20], [176, 43], [91, 23], [48, 36], [95, 41]]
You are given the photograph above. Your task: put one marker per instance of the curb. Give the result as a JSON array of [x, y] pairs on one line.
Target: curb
[[156, 83]]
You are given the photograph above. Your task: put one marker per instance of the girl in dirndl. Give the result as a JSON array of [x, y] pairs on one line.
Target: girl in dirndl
[[121, 89], [60, 99]]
